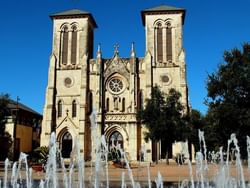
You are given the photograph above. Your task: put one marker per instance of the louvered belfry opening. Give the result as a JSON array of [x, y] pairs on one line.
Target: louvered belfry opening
[[65, 45], [74, 45], [159, 44], [169, 43]]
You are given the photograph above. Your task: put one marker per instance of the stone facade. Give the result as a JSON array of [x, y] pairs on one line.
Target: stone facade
[[113, 89]]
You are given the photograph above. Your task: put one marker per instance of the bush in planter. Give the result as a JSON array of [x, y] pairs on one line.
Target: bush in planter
[[5, 146], [39, 156], [114, 155]]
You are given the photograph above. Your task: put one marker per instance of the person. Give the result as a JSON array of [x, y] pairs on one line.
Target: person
[[167, 161], [143, 152], [142, 155]]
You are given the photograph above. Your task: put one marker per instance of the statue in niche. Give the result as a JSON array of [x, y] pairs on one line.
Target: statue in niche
[[116, 103]]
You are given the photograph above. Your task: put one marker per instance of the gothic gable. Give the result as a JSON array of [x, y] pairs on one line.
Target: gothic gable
[[116, 65]]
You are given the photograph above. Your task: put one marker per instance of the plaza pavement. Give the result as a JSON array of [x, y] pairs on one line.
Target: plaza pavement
[[170, 173]]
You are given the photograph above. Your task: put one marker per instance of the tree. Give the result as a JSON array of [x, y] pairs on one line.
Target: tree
[[196, 122], [228, 96], [163, 118], [153, 115], [5, 138], [4, 111]]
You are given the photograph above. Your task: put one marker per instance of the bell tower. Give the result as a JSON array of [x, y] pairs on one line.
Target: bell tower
[[73, 35], [66, 105], [164, 43]]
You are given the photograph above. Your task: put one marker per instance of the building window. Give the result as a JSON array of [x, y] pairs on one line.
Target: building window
[[116, 85], [74, 108], [74, 45], [169, 42], [59, 109], [159, 42], [65, 45], [123, 104], [107, 104]]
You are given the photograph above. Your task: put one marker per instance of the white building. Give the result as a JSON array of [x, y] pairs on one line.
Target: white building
[[116, 87]]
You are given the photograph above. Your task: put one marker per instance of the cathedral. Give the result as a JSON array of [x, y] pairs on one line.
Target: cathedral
[[82, 87]]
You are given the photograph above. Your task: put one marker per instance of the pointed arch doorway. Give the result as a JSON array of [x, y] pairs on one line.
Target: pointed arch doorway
[[116, 139], [66, 145]]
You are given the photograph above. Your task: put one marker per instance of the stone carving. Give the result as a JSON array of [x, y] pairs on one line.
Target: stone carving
[[120, 117]]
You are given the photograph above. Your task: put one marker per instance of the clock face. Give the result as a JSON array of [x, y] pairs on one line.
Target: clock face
[[116, 85], [68, 82]]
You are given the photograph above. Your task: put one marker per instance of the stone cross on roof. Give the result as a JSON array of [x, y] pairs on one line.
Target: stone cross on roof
[[116, 46]]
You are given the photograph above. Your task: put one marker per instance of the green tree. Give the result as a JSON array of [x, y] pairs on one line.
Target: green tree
[[153, 115], [163, 117], [4, 111], [196, 122], [228, 97], [5, 138], [212, 136]]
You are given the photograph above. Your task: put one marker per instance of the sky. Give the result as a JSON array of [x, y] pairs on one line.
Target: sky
[[210, 28]]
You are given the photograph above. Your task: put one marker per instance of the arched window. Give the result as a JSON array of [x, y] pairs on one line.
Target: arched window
[[65, 45], [74, 108], [159, 42], [123, 104], [74, 45], [169, 42], [107, 104], [59, 109]]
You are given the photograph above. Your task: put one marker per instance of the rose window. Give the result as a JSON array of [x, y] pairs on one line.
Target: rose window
[[116, 85], [68, 82]]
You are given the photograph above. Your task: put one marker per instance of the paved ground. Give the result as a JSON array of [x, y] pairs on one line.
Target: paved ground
[[141, 172]]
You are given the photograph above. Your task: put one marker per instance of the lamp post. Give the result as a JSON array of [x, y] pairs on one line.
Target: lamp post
[[15, 154]]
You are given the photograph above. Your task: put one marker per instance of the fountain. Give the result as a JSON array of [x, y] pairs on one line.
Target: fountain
[[75, 175]]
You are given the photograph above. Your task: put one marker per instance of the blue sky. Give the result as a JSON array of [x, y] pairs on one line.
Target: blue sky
[[211, 27]]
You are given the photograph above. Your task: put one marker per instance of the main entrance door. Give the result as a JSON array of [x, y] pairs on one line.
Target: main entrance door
[[66, 145], [116, 139]]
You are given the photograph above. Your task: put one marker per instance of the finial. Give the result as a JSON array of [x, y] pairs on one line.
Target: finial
[[116, 46], [99, 48], [99, 53], [132, 49]]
